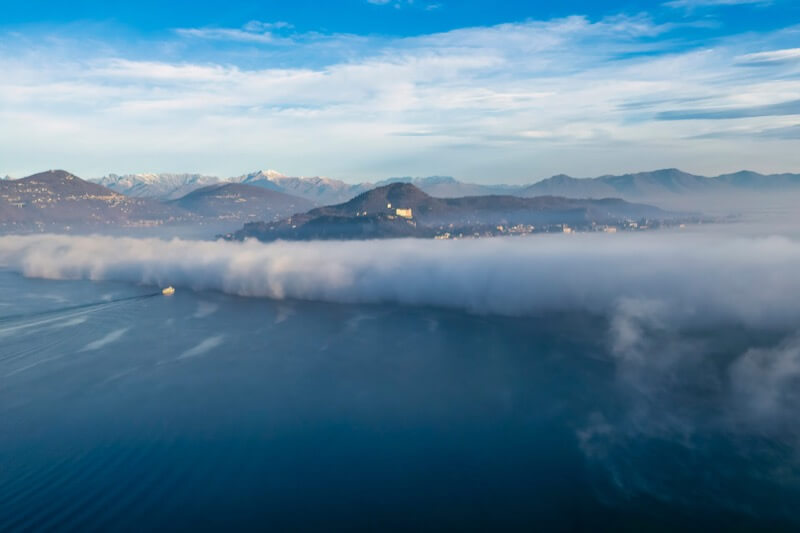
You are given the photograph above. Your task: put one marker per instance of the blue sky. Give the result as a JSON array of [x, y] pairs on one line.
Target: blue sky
[[366, 89]]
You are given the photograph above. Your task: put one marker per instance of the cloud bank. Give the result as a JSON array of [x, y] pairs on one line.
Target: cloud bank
[[691, 278]]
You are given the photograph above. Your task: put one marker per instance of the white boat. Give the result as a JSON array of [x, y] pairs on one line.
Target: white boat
[[169, 291]]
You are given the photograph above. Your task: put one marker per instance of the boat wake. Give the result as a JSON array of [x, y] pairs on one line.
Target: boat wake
[[50, 315]]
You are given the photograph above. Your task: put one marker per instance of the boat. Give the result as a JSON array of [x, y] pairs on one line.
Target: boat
[[169, 291]]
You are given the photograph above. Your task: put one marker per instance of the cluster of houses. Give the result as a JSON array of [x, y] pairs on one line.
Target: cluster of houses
[[451, 232]]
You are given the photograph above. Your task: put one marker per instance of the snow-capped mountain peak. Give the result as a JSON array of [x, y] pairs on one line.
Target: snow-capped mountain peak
[[161, 186], [318, 189], [269, 174]]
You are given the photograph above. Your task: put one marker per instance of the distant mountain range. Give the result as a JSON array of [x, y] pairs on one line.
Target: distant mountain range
[[237, 201], [321, 191], [59, 200], [670, 188], [404, 210], [56, 199], [673, 188], [158, 186]]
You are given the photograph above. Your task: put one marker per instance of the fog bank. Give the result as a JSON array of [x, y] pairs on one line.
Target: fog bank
[[701, 328], [694, 278]]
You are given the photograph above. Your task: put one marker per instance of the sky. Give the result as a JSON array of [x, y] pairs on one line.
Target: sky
[[485, 91]]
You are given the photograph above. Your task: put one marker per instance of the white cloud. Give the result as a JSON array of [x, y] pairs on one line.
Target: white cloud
[[772, 56], [253, 32], [684, 279], [224, 34], [507, 103], [257, 25]]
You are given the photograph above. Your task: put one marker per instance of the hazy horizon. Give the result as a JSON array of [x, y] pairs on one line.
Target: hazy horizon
[[353, 181]]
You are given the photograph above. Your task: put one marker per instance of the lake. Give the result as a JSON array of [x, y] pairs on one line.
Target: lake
[[209, 411]]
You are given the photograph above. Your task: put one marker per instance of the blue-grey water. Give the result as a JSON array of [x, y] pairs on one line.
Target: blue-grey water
[[206, 411]]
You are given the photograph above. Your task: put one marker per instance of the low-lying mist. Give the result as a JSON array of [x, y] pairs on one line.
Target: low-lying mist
[[701, 329], [690, 278]]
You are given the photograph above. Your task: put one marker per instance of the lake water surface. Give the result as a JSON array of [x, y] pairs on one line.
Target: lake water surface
[[208, 411]]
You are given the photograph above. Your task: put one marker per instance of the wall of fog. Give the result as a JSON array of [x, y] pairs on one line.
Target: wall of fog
[[690, 278]]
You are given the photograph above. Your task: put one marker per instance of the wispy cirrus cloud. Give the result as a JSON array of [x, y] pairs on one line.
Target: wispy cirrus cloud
[[252, 32], [791, 107], [770, 57], [784, 133]]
